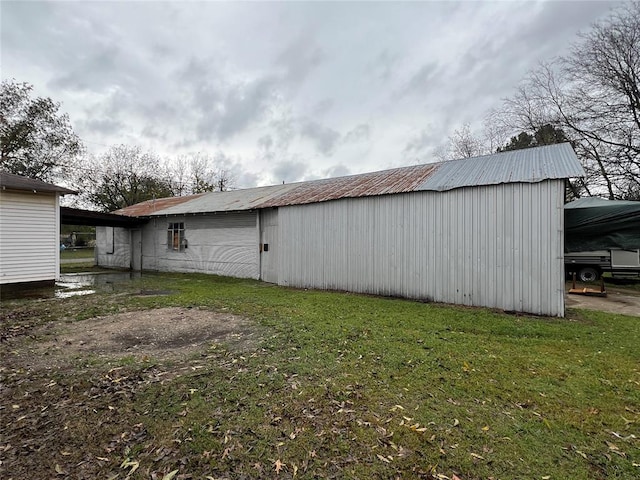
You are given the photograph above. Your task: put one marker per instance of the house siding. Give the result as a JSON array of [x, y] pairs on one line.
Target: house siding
[[29, 236], [497, 246]]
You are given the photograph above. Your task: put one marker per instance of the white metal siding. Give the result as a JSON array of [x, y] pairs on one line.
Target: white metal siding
[[113, 247], [495, 246], [136, 249], [223, 244], [29, 236]]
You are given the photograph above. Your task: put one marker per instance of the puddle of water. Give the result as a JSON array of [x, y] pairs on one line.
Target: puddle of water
[[74, 284], [152, 293], [78, 280], [72, 293]]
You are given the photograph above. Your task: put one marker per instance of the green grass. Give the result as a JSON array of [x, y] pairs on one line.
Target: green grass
[[74, 253], [628, 282], [353, 386], [81, 267]]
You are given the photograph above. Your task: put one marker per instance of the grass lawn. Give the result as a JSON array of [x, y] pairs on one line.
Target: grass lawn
[[72, 253], [82, 267], [338, 386], [626, 282]]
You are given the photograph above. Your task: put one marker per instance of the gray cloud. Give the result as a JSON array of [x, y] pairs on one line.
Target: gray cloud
[[94, 72], [107, 126], [383, 65], [336, 171], [246, 179], [241, 106], [153, 133], [324, 138], [265, 142], [300, 58], [420, 143], [322, 107], [289, 171], [359, 133], [159, 112], [421, 82], [224, 108], [284, 131]]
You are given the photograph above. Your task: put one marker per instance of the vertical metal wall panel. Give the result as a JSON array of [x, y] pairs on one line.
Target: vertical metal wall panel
[[151, 244], [29, 237], [113, 247], [269, 265], [136, 250], [223, 244], [496, 246]]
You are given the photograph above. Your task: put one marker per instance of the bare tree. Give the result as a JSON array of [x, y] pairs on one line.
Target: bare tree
[[463, 143], [123, 176], [178, 175], [201, 172], [593, 95]]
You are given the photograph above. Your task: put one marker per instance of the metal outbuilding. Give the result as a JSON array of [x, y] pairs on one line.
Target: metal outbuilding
[[484, 231]]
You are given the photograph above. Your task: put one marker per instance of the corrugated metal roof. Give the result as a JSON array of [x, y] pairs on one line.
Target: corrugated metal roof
[[231, 201], [11, 181], [151, 207], [398, 180], [530, 165]]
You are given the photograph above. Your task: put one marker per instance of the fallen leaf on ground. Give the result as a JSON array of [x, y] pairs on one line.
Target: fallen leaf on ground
[[278, 465], [170, 475]]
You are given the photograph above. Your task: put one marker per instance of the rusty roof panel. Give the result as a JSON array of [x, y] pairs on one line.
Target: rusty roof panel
[[150, 207], [231, 201], [398, 180]]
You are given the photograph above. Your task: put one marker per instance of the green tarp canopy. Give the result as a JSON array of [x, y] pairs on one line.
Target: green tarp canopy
[[598, 224]]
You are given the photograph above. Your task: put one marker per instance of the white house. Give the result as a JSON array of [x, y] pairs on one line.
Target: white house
[[29, 230], [485, 231]]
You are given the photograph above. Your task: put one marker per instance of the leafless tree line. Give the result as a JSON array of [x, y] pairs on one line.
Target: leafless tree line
[[590, 97], [125, 175]]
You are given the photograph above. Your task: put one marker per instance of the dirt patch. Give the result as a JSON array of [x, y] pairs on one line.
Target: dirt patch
[[165, 333], [618, 300], [66, 416]]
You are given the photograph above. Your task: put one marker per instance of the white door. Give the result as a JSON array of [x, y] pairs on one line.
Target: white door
[[269, 245]]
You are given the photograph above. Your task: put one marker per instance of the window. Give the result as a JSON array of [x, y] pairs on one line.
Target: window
[[175, 237]]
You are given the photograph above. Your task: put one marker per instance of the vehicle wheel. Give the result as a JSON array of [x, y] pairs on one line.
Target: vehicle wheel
[[588, 274]]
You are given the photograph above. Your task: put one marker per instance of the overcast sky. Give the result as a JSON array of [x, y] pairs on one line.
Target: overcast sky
[[284, 91]]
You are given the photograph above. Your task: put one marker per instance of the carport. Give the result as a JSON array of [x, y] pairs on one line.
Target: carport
[[112, 222], [76, 216]]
